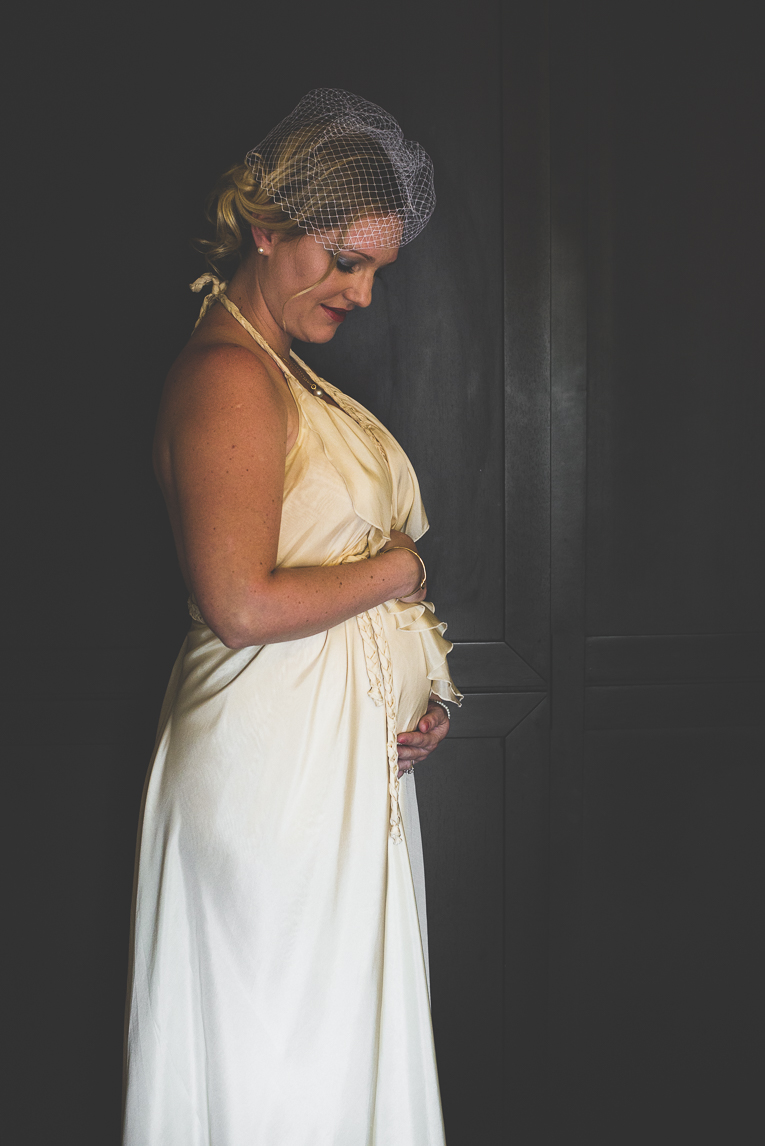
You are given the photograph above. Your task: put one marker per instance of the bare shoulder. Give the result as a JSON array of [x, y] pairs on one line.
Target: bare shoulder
[[210, 373], [220, 395], [216, 380]]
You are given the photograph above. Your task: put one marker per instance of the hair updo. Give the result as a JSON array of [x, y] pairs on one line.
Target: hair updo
[[237, 202], [344, 181]]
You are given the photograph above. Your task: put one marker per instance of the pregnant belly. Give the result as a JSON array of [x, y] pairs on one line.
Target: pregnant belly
[[410, 675]]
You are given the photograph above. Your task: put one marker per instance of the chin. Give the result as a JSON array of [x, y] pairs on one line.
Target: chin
[[322, 335]]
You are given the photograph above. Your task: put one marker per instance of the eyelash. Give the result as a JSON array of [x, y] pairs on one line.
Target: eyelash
[[348, 268]]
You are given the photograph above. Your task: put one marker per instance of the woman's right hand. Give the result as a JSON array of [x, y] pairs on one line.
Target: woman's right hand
[[399, 542]]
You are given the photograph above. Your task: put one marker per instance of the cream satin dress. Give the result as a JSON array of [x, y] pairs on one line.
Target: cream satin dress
[[279, 991]]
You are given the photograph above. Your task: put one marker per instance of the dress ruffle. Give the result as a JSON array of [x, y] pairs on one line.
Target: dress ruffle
[[420, 618]]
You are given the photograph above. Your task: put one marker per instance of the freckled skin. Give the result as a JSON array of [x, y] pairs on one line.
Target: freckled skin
[[226, 398]]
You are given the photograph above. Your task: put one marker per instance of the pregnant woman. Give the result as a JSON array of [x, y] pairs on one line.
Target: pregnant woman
[[279, 992]]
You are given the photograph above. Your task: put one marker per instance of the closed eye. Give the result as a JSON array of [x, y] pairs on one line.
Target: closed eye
[[347, 266]]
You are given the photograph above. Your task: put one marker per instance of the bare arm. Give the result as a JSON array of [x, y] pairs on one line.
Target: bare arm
[[223, 436]]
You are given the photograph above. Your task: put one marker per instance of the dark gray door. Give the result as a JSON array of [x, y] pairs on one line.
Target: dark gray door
[[596, 815], [657, 770]]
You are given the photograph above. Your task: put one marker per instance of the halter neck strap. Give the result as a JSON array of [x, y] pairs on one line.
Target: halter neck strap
[[218, 294]]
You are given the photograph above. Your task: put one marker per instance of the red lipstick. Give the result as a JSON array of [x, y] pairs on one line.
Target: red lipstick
[[335, 315]]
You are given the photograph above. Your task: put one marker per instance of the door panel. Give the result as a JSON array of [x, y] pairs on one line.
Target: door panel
[[461, 807], [673, 857], [657, 555], [675, 331]]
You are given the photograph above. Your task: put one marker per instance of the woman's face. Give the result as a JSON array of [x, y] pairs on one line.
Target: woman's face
[[294, 265]]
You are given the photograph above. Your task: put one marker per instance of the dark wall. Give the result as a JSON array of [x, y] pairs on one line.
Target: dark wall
[[673, 753], [572, 354]]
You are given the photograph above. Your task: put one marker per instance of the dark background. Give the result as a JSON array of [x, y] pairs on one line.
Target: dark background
[[572, 354]]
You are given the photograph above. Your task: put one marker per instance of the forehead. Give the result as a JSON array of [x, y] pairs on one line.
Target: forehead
[[358, 240]]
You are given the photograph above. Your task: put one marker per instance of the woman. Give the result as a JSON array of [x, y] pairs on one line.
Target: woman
[[279, 992]]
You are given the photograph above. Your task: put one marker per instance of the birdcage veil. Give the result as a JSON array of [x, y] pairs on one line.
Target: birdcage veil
[[339, 160]]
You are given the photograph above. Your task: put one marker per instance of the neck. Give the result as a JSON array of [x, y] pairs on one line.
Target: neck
[[245, 291]]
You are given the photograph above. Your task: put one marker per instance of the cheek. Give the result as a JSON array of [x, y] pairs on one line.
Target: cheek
[[314, 298], [335, 284], [311, 261], [322, 291]]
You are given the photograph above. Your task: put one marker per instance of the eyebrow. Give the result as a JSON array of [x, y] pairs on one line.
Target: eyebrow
[[353, 251]]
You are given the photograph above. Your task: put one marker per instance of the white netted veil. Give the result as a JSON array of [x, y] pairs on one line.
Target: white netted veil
[[339, 160]]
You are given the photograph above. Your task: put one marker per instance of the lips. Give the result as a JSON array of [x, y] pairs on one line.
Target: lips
[[335, 314]]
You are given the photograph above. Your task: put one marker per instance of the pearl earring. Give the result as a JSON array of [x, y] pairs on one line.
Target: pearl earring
[[261, 251]]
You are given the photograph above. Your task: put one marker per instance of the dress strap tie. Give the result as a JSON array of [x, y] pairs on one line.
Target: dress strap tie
[[218, 294], [218, 289], [380, 676]]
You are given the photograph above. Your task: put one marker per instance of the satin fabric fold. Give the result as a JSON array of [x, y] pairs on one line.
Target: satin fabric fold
[[279, 992]]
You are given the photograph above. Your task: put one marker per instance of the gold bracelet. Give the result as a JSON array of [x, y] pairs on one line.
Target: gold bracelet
[[424, 570]]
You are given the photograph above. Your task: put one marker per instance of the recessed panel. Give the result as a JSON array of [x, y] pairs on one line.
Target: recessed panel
[[675, 462], [673, 942], [460, 794]]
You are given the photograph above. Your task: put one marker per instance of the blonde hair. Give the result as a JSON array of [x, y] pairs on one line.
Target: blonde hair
[[240, 200], [336, 179], [236, 203]]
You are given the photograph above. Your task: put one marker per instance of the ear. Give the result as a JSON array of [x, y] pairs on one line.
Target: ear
[[264, 239]]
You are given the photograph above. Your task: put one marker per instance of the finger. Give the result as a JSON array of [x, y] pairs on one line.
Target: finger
[[428, 722], [409, 762], [435, 716], [413, 754], [414, 739], [419, 743], [418, 750], [438, 730], [415, 751]]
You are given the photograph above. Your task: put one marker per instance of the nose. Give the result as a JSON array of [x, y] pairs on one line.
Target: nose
[[360, 290]]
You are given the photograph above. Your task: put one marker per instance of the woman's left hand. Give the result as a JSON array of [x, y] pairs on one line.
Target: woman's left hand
[[416, 745]]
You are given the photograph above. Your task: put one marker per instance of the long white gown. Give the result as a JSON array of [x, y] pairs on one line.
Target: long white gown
[[279, 992]]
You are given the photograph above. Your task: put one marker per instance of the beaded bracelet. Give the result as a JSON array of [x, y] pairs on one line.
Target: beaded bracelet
[[440, 703]]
